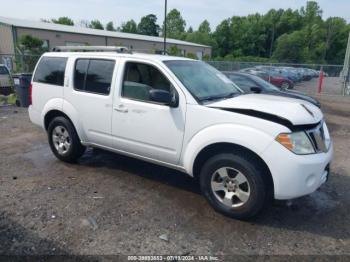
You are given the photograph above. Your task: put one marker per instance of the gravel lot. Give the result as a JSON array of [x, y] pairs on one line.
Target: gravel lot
[[109, 204], [331, 86]]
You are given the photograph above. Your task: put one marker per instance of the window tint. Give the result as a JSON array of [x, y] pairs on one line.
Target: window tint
[[94, 75], [51, 71], [139, 79], [3, 70]]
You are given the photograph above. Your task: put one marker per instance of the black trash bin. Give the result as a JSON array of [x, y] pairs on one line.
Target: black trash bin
[[22, 83]]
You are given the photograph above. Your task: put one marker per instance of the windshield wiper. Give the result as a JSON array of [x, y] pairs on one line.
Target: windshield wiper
[[213, 98]]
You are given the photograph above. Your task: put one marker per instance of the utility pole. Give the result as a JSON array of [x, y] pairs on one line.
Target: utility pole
[[345, 72], [165, 22]]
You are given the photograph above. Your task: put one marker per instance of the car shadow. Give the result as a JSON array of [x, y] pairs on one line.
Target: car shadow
[[100, 158], [320, 213]]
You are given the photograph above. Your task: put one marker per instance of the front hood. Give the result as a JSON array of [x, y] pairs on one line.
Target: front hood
[[270, 107], [294, 94]]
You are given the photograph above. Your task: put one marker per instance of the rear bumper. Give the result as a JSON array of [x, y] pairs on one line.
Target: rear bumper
[[296, 175]]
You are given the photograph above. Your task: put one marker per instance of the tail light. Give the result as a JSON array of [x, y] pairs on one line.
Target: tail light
[[30, 94]]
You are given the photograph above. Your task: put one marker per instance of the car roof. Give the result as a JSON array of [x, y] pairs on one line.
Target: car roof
[[238, 73], [136, 55]]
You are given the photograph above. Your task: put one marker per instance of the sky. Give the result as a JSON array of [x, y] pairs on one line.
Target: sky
[[193, 11]]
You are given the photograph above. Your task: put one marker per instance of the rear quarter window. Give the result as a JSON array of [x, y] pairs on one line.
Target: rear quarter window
[[51, 71]]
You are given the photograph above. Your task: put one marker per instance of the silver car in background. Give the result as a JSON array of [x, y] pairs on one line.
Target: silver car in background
[[6, 82]]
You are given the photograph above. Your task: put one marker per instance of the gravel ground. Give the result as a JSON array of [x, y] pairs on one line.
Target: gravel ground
[[109, 204], [330, 86]]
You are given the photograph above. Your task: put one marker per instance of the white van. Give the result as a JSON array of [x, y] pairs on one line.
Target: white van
[[244, 149]]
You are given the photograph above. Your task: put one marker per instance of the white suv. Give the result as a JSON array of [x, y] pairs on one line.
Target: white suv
[[181, 113]]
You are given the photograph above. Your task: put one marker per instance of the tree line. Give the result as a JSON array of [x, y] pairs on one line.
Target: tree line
[[283, 35]]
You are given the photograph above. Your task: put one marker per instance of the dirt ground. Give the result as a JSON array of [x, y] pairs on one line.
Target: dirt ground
[[109, 204]]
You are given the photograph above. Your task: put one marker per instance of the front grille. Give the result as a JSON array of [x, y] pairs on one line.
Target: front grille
[[317, 137]]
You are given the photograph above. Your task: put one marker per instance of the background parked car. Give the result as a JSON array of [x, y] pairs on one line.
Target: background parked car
[[253, 84], [271, 77], [6, 82]]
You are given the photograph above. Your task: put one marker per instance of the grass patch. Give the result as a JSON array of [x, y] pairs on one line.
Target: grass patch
[[8, 100]]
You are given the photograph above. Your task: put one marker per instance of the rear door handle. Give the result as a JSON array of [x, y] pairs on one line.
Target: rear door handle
[[121, 109]]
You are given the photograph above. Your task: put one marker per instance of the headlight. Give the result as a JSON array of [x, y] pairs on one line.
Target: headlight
[[298, 142]]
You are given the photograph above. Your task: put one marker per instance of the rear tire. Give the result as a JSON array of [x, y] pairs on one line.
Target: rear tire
[[234, 185], [285, 85], [64, 140]]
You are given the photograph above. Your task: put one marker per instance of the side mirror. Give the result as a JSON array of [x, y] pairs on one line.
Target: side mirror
[[256, 89], [163, 97]]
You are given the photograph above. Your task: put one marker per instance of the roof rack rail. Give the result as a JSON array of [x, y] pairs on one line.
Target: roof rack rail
[[117, 49]]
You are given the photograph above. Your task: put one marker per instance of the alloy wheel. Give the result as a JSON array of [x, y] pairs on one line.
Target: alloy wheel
[[230, 187], [61, 139]]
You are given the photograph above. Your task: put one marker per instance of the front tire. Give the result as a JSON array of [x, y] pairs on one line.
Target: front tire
[[64, 140], [234, 185]]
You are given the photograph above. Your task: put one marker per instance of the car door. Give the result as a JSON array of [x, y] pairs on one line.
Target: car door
[[90, 94], [140, 126]]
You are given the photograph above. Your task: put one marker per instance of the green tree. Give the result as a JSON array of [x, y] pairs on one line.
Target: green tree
[[129, 27], [148, 26], [202, 35], [191, 55], [30, 43], [291, 48], [222, 36], [175, 25], [174, 51], [110, 27], [336, 39], [64, 20], [204, 27], [312, 13], [30, 49], [96, 24], [271, 21]]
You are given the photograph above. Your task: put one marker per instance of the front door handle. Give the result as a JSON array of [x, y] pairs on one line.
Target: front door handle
[[121, 109]]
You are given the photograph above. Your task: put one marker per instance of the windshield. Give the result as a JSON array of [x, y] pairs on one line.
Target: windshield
[[203, 81]]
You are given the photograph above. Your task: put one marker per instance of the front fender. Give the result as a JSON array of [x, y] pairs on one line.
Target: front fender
[[248, 137]]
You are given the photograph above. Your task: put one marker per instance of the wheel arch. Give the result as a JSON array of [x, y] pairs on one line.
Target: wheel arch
[[50, 115], [223, 147]]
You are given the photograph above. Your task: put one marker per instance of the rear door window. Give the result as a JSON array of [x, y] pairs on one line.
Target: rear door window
[[51, 71], [94, 75]]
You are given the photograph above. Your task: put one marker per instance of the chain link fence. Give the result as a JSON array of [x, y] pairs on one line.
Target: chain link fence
[[19, 63], [305, 77]]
